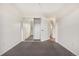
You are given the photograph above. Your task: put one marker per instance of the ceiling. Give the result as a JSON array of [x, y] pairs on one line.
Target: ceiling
[[58, 10]]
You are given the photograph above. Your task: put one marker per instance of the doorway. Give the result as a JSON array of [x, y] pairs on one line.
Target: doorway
[[37, 29]]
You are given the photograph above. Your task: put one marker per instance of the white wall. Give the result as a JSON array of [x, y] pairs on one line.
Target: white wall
[[26, 30], [9, 27], [53, 28], [68, 32]]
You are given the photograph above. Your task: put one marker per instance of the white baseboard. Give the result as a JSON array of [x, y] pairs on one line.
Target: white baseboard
[[9, 48]]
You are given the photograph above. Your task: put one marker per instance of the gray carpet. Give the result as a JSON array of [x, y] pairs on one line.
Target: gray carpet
[[38, 49], [30, 39]]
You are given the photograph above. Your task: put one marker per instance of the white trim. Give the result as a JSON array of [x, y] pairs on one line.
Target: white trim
[[10, 48]]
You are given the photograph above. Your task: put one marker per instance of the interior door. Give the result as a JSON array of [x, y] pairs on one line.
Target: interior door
[[44, 30]]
